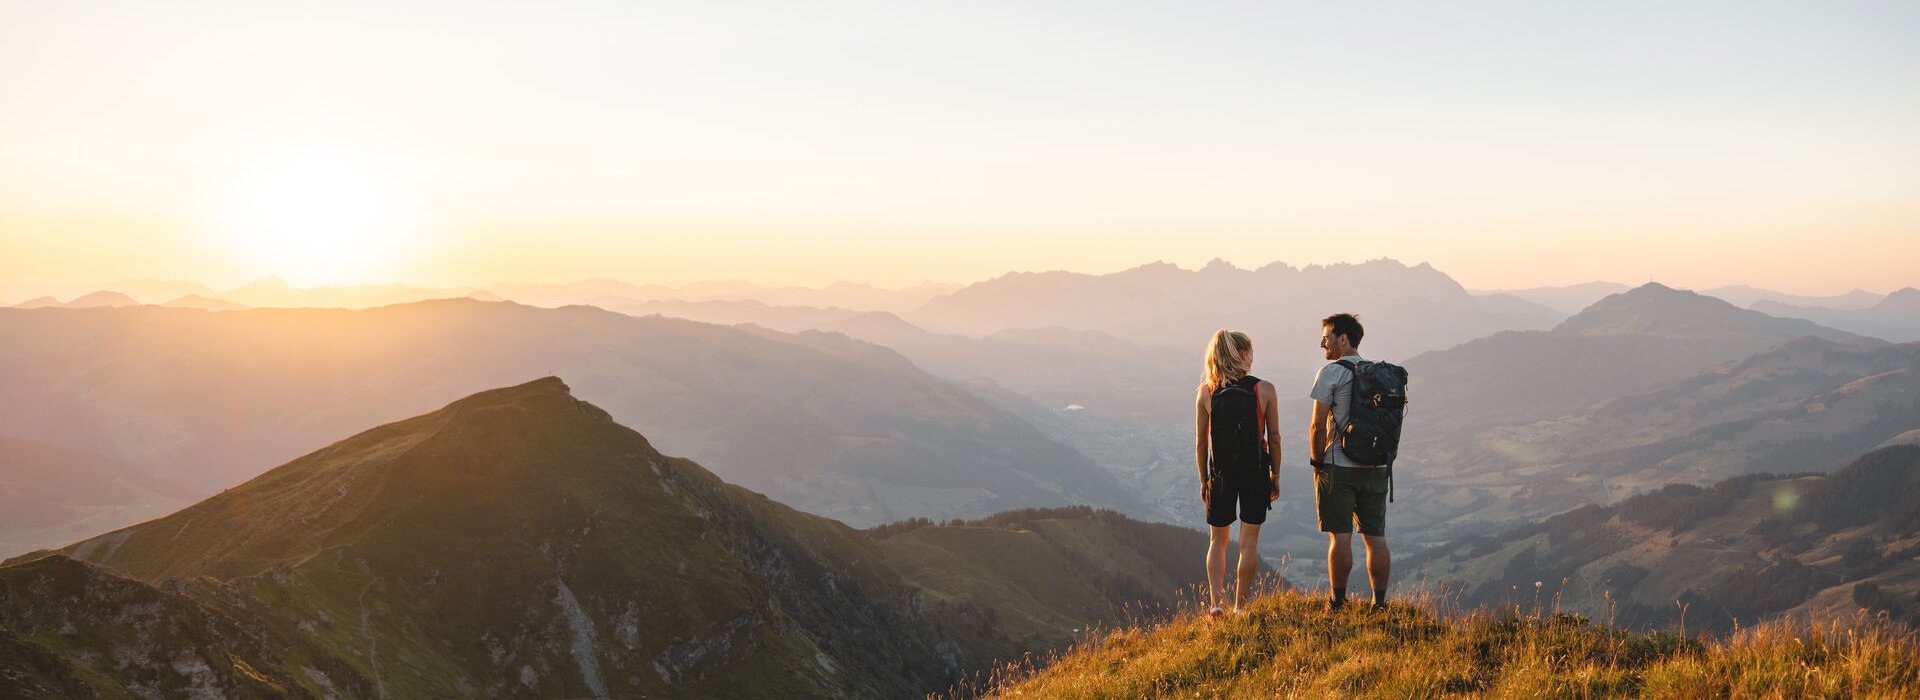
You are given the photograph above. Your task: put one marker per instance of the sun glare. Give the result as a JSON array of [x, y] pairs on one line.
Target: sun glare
[[319, 219]]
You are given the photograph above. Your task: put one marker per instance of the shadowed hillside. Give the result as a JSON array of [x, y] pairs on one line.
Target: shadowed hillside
[[1818, 547], [1806, 405], [519, 543]]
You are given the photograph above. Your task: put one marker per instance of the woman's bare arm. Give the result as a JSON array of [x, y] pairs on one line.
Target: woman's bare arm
[[1201, 424]]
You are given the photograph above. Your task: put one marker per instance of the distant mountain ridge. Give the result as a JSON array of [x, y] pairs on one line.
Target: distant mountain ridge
[[1657, 310], [50, 495], [1751, 297], [1568, 300], [614, 293], [520, 543], [828, 424], [1895, 318], [1411, 309], [1623, 344]]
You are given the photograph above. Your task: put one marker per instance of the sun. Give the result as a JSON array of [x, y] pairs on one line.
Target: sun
[[319, 218]]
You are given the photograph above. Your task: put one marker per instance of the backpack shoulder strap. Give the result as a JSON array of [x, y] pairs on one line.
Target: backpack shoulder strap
[[1353, 370]]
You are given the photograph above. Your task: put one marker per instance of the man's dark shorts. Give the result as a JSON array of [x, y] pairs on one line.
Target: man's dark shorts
[[1345, 496], [1247, 491]]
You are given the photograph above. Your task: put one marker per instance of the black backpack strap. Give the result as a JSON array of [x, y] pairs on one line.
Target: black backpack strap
[[1353, 387]]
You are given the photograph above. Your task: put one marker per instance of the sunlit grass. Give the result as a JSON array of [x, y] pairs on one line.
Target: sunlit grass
[[1287, 645]]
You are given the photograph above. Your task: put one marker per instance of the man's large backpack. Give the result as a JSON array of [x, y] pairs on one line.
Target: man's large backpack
[[1371, 436], [1234, 428]]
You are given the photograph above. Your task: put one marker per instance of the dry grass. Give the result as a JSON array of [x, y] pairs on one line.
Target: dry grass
[[1286, 645]]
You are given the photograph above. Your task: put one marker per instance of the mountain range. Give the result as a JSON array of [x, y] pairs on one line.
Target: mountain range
[[828, 424], [1895, 317], [1812, 546], [50, 495], [1412, 309], [1625, 343], [1648, 388], [1805, 405], [520, 543], [614, 293]]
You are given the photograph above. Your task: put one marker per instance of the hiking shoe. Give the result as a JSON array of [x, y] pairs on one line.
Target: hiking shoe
[[1334, 606], [1377, 607], [1214, 612]]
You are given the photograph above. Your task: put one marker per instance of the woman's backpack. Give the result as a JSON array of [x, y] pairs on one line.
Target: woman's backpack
[[1239, 447]]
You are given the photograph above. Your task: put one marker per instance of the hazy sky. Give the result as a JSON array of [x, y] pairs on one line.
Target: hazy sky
[[1509, 144]]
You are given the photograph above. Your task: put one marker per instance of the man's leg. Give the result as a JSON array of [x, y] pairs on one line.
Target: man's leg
[[1379, 566], [1370, 513], [1339, 563], [1216, 563], [1249, 563]]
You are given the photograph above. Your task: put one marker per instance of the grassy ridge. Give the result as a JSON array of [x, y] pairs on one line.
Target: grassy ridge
[[1288, 646]]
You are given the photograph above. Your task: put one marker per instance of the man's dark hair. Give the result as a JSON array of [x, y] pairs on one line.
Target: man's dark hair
[[1347, 325]]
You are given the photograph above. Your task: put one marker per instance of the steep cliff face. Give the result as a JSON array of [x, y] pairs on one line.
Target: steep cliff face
[[101, 635]]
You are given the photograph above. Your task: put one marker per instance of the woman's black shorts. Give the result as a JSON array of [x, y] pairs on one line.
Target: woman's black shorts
[[1248, 492]]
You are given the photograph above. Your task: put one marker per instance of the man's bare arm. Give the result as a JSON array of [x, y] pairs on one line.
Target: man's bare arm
[[1318, 437], [1270, 400]]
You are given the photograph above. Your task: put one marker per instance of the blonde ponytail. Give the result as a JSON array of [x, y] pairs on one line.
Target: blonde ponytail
[[1229, 357]]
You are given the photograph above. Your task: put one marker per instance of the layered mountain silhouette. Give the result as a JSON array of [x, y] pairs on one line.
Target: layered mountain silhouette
[[1751, 297], [1895, 317], [1758, 546], [786, 319], [1412, 309], [615, 294], [1669, 387], [1057, 367], [1624, 344], [520, 543], [50, 495], [1569, 299], [828, 424], [143, 291], [195, 301], [92, 300]]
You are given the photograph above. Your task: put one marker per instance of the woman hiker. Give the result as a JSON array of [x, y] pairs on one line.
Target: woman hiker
[[1237, 449]]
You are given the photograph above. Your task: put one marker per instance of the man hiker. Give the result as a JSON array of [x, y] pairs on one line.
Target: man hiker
[[1346, 491]]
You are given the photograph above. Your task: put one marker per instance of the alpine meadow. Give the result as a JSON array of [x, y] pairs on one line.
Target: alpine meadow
[[419, 349]]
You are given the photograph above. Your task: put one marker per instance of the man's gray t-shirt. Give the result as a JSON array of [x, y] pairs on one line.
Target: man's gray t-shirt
[[1334, 387]]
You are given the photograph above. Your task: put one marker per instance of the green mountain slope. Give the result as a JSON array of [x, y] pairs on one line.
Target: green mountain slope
[[1819, 546], [1805, 405], [519, 543]]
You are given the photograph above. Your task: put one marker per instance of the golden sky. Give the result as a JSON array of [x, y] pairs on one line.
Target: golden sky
[[1509, 144]]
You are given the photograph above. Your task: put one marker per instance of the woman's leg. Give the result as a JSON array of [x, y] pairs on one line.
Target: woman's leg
[[1249, 564], [1216, 564]]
